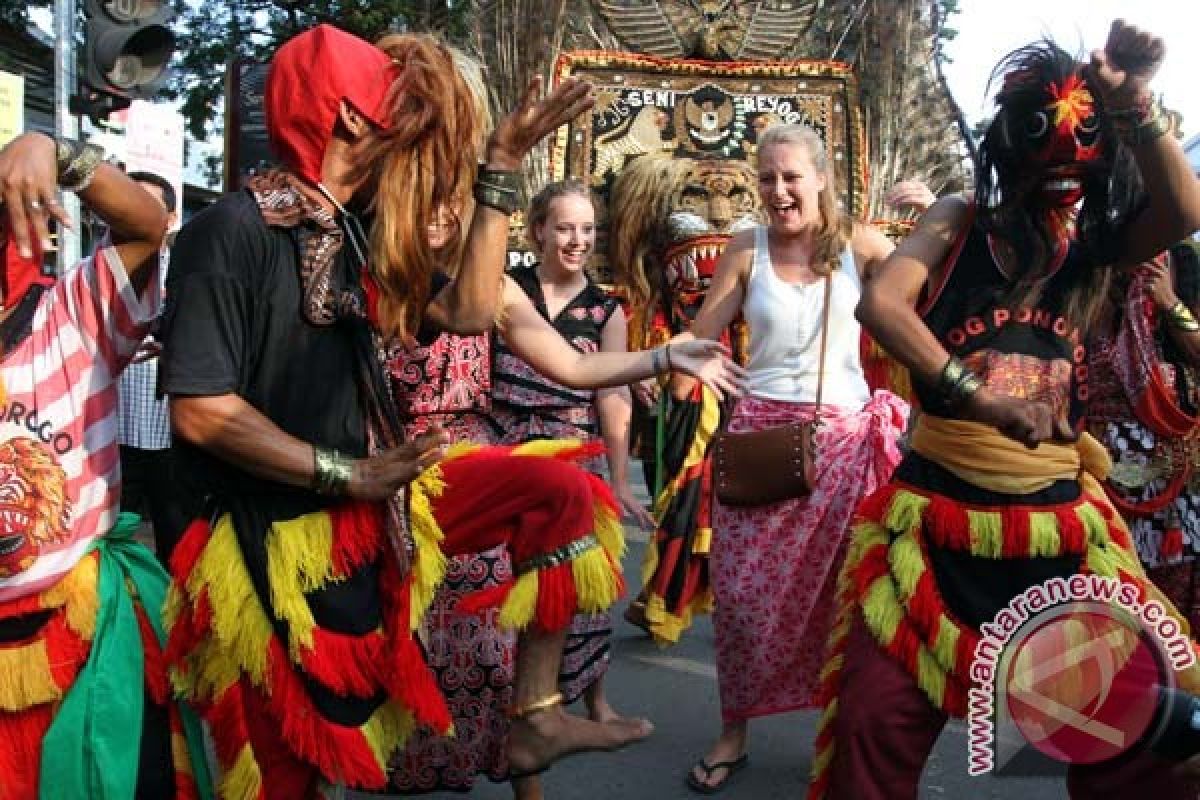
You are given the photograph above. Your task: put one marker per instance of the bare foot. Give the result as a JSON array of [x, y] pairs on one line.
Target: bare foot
[[600, 711], [538, 740]]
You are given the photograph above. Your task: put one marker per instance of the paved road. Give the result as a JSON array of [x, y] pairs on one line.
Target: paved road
[[677, 689]]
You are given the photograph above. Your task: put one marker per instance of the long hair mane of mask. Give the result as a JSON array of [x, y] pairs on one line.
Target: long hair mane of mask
[[1007, 176]]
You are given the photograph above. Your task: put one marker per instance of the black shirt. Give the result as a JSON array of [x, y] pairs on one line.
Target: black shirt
[[233, 325]]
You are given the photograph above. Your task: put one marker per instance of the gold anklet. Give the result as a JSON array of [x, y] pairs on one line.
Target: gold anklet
[[537, 705]]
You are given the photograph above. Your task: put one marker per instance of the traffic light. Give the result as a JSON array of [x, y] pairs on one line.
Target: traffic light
[[128, 45]]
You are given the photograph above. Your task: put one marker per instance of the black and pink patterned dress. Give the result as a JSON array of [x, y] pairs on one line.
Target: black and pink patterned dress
[[446, 382], [527, 405]]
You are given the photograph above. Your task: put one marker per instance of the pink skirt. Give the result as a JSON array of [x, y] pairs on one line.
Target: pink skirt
[[775, 567]]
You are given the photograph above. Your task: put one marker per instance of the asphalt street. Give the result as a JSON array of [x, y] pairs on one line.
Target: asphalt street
[[677, 689]]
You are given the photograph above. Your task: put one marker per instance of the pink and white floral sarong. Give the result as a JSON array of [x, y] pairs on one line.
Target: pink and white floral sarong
[[774, 567]]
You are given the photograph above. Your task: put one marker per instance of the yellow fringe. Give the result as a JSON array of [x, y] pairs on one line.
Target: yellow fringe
[[822, 759], [386, 731], [1094, 523], [429, 562], [1100, 561], [77, 592], [987, 533], [518, 607], [1044, 538], [905, 511], [931, 676], [907, 565], [610, 533], [25, 677], [597, 586], [546, 447], [864, 536], [242, 781], [881, 611], [945, 643], [299, 560], [241, 631]]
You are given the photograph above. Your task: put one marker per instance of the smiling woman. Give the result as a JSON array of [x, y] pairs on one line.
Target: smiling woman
[[802, 272]]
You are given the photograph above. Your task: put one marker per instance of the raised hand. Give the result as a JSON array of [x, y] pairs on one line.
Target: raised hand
[[708, 361], [29, 187], [911, 194], [381, 475], [1030, 422], [1121, 72], [534, 118], [1160, 286]]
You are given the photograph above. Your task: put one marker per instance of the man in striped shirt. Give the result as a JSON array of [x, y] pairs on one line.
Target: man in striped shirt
[[82, 699]]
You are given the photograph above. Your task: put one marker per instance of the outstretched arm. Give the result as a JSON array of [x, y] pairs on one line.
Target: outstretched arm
[[536, 341], [468, 304], [29, 173]]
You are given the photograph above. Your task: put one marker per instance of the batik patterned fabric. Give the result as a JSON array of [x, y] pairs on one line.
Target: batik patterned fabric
[[775, 567], [446, 383], [527, 406], [1143, 408]]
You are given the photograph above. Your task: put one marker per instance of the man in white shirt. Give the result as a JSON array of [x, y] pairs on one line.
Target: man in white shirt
[[145, 429]]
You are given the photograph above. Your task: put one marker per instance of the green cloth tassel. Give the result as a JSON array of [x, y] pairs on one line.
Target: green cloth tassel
[[88, 751]]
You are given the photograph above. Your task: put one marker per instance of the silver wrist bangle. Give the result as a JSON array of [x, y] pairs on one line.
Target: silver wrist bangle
[[332, 471], [657, 361]]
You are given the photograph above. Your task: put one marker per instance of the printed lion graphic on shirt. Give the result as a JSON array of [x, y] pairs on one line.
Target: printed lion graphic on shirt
[[34, 509]]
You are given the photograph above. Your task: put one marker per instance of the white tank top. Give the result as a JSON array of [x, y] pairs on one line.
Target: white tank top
[[785, 334]]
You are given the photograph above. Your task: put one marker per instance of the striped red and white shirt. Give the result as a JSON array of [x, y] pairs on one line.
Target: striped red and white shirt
[[60, 480]]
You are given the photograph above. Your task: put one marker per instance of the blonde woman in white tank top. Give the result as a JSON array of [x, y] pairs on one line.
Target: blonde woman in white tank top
[[774, 567]]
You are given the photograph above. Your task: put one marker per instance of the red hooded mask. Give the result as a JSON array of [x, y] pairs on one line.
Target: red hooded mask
[[20, 273], [310, 75]]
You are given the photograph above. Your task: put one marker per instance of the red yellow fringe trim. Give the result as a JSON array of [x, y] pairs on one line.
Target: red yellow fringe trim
[[887, 579], [221, 643], [590, 581]]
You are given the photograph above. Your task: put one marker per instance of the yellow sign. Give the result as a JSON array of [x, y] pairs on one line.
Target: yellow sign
[[12, 106]]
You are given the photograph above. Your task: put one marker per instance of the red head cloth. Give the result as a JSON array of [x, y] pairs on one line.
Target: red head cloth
[[310, 75], [19, 273]]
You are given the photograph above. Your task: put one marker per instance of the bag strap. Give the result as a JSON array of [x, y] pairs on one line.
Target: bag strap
[[824, 340]]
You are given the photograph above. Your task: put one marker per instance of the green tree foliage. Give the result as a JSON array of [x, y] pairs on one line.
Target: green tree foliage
[[213, 34]]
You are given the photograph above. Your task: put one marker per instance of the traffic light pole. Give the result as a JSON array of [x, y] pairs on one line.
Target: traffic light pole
[[66, 124]]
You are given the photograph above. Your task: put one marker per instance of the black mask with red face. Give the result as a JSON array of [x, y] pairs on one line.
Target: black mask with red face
[[1046, 142]]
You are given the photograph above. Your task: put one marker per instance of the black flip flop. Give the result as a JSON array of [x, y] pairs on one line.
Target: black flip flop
[[731, 768]]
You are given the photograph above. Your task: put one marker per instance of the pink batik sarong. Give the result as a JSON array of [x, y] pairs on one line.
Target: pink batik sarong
[[775, 567]]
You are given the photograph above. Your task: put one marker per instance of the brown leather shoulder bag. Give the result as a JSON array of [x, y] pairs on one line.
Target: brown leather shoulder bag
[[767, 466]]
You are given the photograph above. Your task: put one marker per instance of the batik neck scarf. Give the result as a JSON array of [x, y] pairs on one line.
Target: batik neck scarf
[[328, 298]]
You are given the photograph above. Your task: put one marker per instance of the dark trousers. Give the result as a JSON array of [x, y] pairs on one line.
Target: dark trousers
[[150, 486], [886, 726]]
